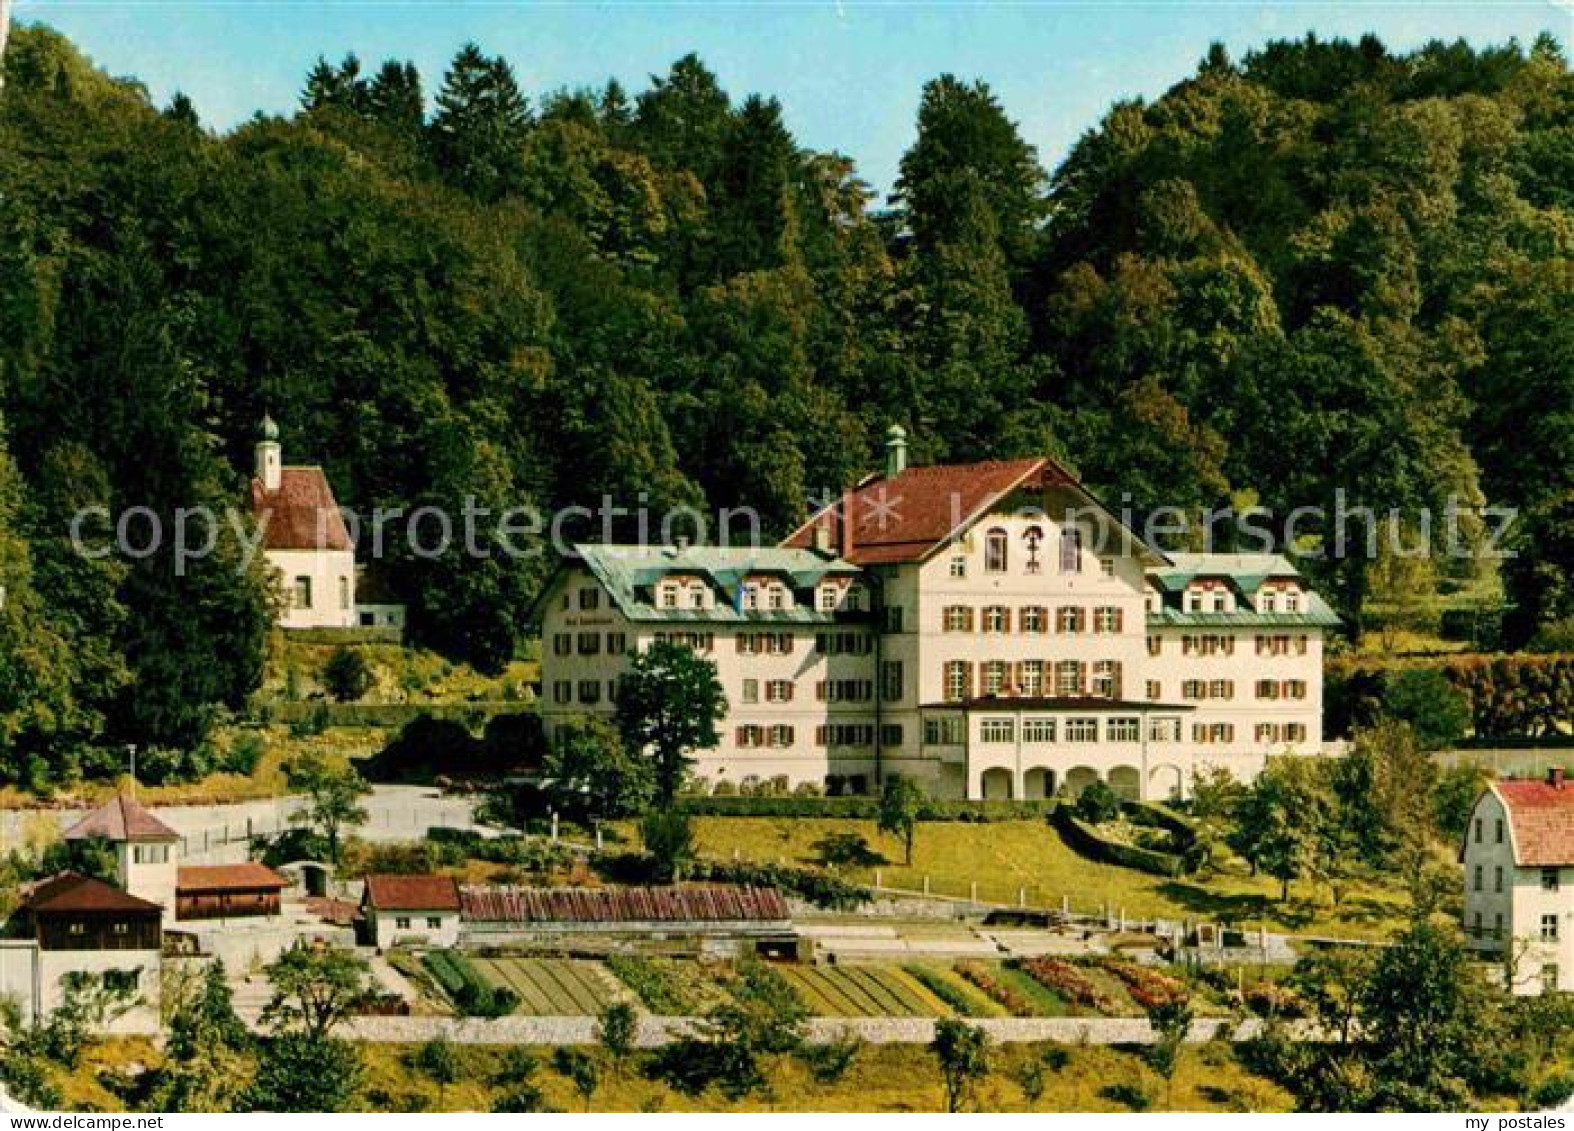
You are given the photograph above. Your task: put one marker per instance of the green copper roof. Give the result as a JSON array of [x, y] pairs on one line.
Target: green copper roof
[[1246, 573], [632, 573]]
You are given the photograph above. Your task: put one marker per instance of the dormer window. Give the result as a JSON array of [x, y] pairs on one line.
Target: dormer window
[[995, 551], [1292, 602], [855, 597], [777, 598], [827, 598], [1194, 602], [696, 595], [1267, 603], [751, 597], [1220, 603], [669, 595]]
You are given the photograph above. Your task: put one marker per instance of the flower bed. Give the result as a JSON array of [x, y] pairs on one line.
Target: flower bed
[[1068, 981], [1147, 987], [984, 978]]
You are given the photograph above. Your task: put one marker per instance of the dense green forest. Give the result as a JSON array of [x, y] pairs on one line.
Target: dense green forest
[[1326, 266]]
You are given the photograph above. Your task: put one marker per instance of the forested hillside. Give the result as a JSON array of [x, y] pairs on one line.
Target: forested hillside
[[1324, 267]]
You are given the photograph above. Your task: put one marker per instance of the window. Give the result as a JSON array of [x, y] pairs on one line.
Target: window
[[998, 730], [669, 596], [1294, 689], [781, 736], [945, 730], [827, 598], [1292, 602], [776, 599], [1549, 928], [1068, 677], [854, 598], [1194, 689], [891, 682], [150, 854], [1476, 929], [1106, 567], [845, 690], [956, 679], [1155, 645], [995, 548], [994, 677], [751, 597], [957, 618], [997, 618], [1033, 618], [778, 691], [1107, 618], [1497, 925], [751, 691], [1106, 679], [1164, 730], [958, 565], [1220, 603], [1478, 830], [750, 737], [1082, 730], [1497, 879], [344, 592], [891, 734], [1549, 977], [1476, 881], [1267, 689], [1038, 730], [402, 923], [1032, 678], [303, 592], [562, 644], [617, 644], [1193, 601], [1155, 690], [589, 599], [433, 923], [1221, 689], [893, 618], [844, 734], [1070, 619], [1499, 836], [1123, 730], [696, 595], [1070, 551], [1267, 604], [589, 643], [1549, 879], [590, 691]]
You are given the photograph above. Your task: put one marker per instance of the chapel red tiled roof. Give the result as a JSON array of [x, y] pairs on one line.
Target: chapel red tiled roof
[[1541, 815], [250, 876], [122, 819], [72, 892], [302, 514], [412, 893], [903, 519], [502, 903]]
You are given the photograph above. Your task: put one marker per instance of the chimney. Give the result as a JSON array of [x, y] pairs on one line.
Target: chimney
[[849, 541], [895, 451], [1555, 777], [822, 537]]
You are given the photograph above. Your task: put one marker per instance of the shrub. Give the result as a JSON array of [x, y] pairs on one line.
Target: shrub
[[468, 990], [829, 1062], [346, 674], [244, 754], [312, 723], [1133, 1096], [650, 984], [1098, 803]]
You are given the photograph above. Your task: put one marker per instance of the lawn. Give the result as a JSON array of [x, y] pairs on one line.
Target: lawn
[[1007, 857], [553, 987]]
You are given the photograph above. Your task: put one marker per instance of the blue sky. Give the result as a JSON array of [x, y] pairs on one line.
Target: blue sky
[[848, 73]]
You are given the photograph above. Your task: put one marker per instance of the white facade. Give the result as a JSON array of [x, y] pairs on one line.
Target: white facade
[[318, 587], [422, 928], [1039, 648], [1519, 902], [304, 539], [148, 870]]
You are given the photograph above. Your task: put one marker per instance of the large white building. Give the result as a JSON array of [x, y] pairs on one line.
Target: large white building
[[303, 538], [1519, 881], [989, 629]]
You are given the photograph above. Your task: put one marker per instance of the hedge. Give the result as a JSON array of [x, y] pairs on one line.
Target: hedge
[[1086, 839], [386, 714], [861, 808]]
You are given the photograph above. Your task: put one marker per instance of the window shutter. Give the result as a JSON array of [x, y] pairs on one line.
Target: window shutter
[[1120, 620], [791, 687]]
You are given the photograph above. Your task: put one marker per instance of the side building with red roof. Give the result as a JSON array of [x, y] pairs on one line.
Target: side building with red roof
[[990, 630], [1518, 858], [411, 909], [304, 538]]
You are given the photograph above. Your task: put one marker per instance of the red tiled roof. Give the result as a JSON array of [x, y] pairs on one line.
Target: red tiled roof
[[905, 518], [412, 893], [1542, 818], [302, 514], [250, 876], [73, 892], [121, 819], [500, 903]]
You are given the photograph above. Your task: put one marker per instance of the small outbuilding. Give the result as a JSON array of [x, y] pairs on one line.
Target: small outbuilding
[[228, 891], [411, 909]]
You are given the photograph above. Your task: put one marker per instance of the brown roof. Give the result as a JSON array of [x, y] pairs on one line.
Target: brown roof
[[1541, 816], [74, 892], [122, 819], [250, 876], [506, 904], [302, 514], [412, 893]]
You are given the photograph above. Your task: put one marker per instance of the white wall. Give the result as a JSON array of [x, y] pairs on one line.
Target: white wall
[[327, 569], [387, 932], [1519, 905]]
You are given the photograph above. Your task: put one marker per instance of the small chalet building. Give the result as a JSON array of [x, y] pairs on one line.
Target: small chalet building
[[228, 891], [411, 909], [304, 538], [146, 849], [989, 630], [80, 925], [1518, 860]]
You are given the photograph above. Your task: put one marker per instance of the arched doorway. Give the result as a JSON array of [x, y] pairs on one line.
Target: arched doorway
[[1038, 783], [996, 784], [1079, 778], [1126, 781], [1164, 782]]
